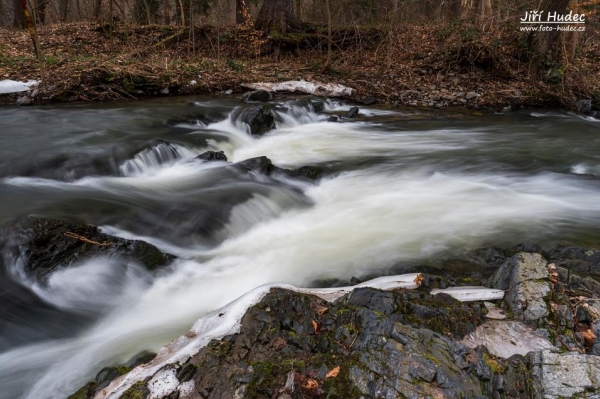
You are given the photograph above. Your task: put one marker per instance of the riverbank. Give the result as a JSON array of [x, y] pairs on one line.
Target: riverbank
[[535, 313], [457, 64]]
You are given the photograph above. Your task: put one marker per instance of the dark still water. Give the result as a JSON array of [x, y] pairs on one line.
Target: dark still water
[[400, 188]]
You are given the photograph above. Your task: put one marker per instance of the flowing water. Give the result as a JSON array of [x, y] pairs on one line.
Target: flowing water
[[401, 188]]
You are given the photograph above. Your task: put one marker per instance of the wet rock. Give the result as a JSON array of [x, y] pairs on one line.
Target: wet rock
[[332, 118], [565, 375], [259, 164], [50, 244], [257, 96], [305, 172], [24, 100], [352, 112], [315, 106], [584, 107], [265, 166], [261, 119], [524, 276], [578, 259], [212, 156], [107, 374], [140, 358], [369, 101]]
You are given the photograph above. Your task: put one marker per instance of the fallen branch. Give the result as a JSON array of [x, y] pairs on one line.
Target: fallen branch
[[84, 239]]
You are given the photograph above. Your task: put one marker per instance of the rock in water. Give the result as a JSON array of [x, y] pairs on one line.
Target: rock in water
[[261, 119], [257, 95], [352, 112], [265, 166], [259, 164], [51, 244], [584, 106], [212, 156]]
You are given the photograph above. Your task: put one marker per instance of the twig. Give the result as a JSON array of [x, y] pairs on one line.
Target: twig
[[82, 238]]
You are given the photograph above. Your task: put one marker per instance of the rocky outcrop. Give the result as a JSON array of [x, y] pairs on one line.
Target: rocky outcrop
[[398, 344], [525, 278], [261, 119], [565, 375], [50, 244]]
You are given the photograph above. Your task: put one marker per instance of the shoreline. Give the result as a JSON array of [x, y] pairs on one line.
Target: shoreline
[[83, 64]]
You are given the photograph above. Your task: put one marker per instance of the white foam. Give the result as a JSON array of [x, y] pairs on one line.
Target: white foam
[[586, 169]]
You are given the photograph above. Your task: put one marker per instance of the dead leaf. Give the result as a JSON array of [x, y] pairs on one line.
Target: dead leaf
[[419, 279], [315, 326], [311, 387], [333, 373]]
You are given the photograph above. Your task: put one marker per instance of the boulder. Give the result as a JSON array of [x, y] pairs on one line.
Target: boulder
[[315, 106], [261, 119], [259, 164], [256, 96], [265, 166], [352, 112], [584, 107], [212, 156], [50, 244], [525, 278], [565, 375]]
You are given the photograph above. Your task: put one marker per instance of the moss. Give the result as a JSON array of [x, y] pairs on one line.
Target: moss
[[137, 391], [493, 364], [86, 392]]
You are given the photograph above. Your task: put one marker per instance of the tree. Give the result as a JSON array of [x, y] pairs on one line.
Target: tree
[[97, 9], [546, 45], [276, 15], [18, 16], [239, 11], [64, 10]]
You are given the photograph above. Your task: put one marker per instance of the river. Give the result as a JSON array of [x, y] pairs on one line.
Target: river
[[401, 188]]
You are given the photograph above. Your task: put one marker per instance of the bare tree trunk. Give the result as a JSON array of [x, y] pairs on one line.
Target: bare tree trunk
[[328, 62], [40, 9], [64, 10], [97, 9], [182, 10], [18, 16], [239, 11], [276, 15]]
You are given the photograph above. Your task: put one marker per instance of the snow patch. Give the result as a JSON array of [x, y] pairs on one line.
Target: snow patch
[[187, 389], [8, 86], [163, 383], [302, 86], [468, 293]]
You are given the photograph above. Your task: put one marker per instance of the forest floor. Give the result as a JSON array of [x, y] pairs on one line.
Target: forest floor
[[435, 66]]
